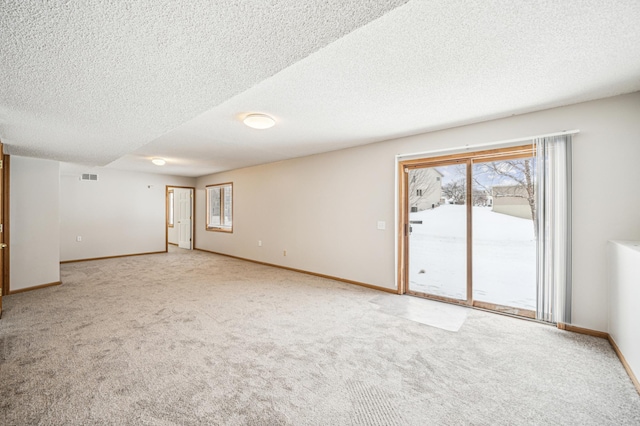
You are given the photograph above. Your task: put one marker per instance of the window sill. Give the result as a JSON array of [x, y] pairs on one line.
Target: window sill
[[214, 229]]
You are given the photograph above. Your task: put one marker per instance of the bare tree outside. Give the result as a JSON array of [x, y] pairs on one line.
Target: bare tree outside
[[494, 180], [456, 190], [509, 178], [499, 195]]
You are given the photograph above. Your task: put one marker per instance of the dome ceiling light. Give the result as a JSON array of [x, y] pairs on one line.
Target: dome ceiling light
[[159, 161], [259, 121]]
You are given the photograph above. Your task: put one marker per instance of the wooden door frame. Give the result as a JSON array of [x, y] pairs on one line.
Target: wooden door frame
[[468, 158], [4, 235], [404, 214], [166, 212], [6, 203]]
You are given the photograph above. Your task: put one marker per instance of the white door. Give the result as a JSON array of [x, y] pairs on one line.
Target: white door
[[183, 206]]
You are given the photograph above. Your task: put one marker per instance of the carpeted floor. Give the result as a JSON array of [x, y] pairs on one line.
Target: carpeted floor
[[193, 338]]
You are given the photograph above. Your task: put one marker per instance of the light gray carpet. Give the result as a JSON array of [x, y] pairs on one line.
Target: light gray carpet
[[194, 338]]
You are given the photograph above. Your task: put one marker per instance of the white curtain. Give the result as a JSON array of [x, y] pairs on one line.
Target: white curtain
[[554, 228]]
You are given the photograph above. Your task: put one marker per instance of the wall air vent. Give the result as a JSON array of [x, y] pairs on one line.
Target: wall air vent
[[87, 176]]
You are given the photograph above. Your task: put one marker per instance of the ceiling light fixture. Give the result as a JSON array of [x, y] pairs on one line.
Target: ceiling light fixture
[[159, 161], [259, 121]]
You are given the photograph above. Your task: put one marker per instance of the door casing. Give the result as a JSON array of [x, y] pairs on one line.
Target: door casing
[[4, 224]]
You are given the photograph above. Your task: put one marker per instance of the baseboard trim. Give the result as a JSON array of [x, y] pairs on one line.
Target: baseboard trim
[[626, 365], [111, 257], [616, 349], [35, 287], [172, 244], [580, 330], [315, 274]]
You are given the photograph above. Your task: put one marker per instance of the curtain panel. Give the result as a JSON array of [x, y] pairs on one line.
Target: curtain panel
[[553, 158]]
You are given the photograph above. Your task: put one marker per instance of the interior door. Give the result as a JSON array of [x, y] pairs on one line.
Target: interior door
[[183, 200]]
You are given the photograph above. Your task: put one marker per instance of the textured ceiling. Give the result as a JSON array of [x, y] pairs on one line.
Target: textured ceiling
[[174, 80], [89, 81]]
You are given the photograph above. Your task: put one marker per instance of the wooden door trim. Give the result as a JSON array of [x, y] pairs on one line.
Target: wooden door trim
[[437, 298], [520, 312], [467, 158], [4, 220], [170, 190], [6, 202], [486, 155], [469, 201], [403, 238], [403, 244]]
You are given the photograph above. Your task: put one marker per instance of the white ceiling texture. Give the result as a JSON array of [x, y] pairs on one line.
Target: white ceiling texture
[[116, 83]]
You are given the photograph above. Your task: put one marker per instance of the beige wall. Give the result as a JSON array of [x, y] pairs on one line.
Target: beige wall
[[517, 210], [122, 213], [512, 206], [34, 222], [320, 209], [323, 211]]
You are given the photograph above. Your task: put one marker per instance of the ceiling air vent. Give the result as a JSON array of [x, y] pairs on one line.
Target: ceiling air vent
[[87, 176]]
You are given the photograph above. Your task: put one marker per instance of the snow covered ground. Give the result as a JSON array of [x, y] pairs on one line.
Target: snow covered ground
[[504, 256]]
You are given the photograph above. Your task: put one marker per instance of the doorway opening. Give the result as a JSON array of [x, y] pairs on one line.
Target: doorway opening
[[180, 218], [468, 231]]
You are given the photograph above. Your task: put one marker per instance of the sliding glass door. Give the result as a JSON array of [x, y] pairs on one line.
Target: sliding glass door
[[504, 240], [437, 197], [469, 229]]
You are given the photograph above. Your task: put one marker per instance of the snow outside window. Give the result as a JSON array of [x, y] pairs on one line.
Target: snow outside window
[[170, 209], [220, 207]]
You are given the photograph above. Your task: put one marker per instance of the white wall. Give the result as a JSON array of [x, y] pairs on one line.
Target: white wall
[[122, 213], [624, 316], [34, 222], [323, 209]]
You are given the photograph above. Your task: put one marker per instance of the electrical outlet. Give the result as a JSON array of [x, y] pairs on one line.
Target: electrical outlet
[[259, 243], [382, 225], [284, 252]]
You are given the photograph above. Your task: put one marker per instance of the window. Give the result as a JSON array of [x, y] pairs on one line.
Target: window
[[220, 207], [170, 209]]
